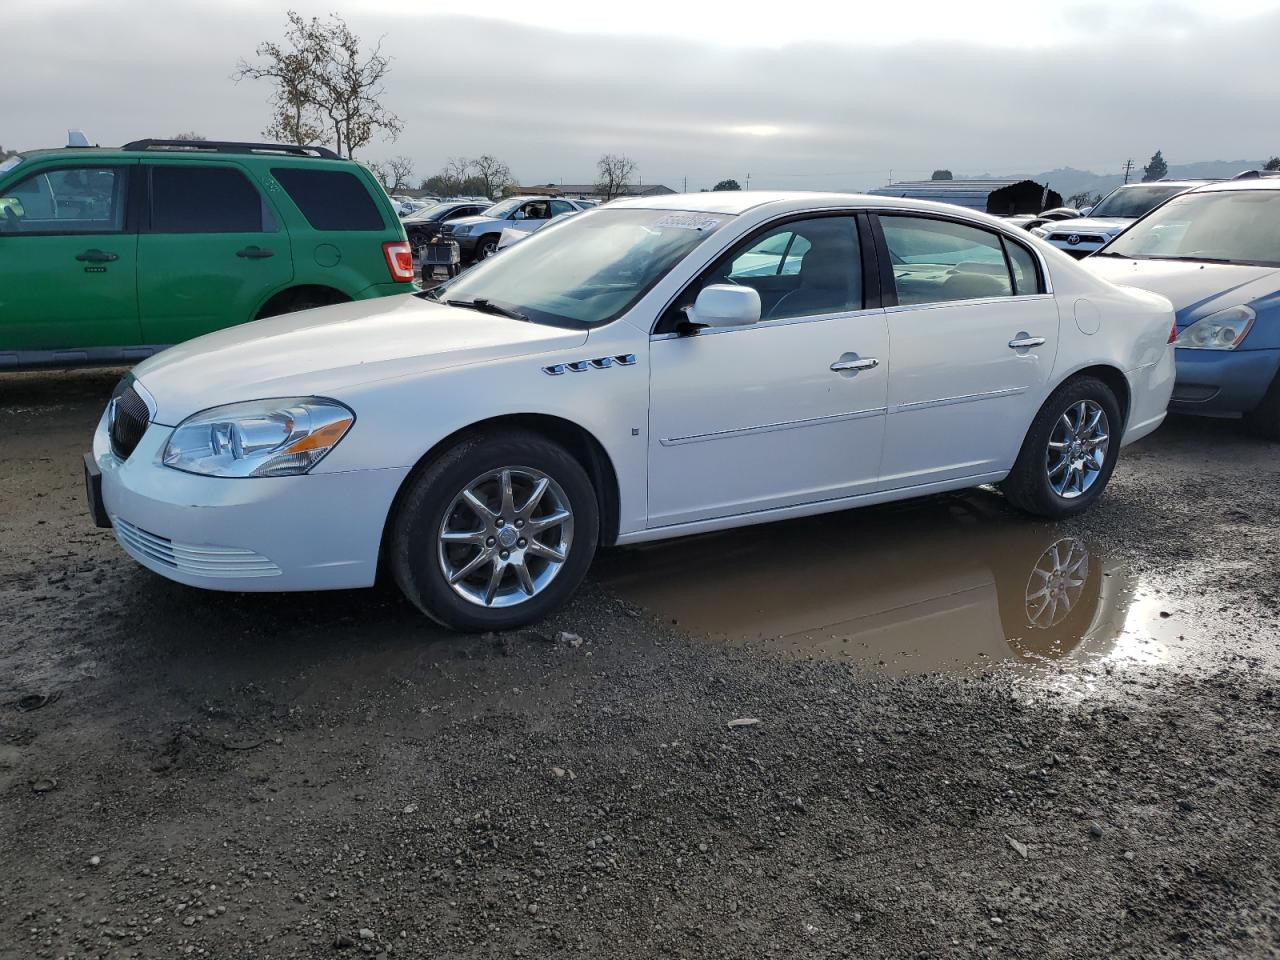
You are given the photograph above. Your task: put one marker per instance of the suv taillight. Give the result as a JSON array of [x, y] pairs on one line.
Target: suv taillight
[[399, 260], [1173, 332]]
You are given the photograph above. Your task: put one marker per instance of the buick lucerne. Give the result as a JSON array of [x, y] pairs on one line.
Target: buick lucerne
[[653, 368]]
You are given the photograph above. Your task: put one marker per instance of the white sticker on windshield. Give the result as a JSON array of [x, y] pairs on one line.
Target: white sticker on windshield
[[688, 221]]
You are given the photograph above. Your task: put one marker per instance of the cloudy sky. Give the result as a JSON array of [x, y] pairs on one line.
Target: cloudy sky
[[807, 94]]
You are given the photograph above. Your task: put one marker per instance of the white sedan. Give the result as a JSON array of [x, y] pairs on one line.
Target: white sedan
[[651, 369]]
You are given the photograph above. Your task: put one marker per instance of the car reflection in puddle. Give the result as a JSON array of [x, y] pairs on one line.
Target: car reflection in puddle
[[947, 584]]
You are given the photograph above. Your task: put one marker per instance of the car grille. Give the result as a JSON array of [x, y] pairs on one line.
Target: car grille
[[201, 561], [1080, 237], [127, 419]]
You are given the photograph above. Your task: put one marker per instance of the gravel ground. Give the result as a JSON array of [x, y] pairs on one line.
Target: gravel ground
[[326, 775]]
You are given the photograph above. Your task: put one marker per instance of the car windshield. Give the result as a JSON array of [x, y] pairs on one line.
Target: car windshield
[[587, 270], [429, 212], [1231, 226], [1133, 202], [502, 208]]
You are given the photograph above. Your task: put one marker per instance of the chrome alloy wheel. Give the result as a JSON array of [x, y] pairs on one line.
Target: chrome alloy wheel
[[1077, 449], [1056, 583], [505, 537]]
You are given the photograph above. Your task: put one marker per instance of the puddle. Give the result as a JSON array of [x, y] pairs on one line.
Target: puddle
[[952, 584]]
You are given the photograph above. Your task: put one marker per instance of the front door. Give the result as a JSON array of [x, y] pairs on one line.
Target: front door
[[211, 251], [68, 260], [974, 339], [788, 411]]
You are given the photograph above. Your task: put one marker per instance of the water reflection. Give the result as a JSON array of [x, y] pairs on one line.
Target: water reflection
[[944, 584]]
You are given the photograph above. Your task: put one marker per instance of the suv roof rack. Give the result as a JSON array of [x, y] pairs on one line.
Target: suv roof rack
[[231, 146]]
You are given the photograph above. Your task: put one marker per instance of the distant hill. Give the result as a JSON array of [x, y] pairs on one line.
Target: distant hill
[[1068, 180]]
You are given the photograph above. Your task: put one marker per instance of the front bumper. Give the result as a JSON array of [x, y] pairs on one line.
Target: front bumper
[[466, 245], [1223, 382], [313, 532]]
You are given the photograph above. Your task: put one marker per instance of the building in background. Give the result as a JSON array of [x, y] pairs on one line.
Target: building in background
[[1003, 198], [587, 190]]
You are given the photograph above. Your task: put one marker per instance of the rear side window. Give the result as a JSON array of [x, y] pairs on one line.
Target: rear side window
[[330, 199], [937, 261], [205, 199], [1026, 278]]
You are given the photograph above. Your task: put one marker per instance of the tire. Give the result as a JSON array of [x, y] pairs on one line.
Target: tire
[[1048, 600], [486, 247], [435, 505], [1264, 419], [1029, 486]]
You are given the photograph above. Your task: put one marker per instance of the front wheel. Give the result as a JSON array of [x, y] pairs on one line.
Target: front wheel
[[495, 533], [1069, 453], [487, 247]]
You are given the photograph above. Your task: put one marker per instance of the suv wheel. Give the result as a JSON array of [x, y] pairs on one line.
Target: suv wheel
[[495, 533], [1069, 452], [487, 246]]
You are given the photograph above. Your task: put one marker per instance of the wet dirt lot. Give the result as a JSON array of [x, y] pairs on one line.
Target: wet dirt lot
[[977, 736]]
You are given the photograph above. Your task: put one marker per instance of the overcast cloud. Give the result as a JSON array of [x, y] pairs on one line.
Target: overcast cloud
[[1016, 89]]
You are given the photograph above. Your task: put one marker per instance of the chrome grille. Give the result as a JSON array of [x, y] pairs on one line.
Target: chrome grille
[[127, 419], [203, 561]]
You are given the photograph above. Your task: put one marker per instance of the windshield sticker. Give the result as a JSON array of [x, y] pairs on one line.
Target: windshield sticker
[[688, 221]]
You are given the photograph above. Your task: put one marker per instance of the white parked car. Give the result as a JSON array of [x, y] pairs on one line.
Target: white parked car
[[655, 368]]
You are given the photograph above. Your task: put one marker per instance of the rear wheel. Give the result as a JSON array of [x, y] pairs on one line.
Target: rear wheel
[[495, 533], [1069, 452]]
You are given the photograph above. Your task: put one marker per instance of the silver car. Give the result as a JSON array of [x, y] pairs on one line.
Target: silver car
[[478, 236]]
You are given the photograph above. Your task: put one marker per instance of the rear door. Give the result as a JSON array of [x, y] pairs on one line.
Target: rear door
[[211, 251], [972, 342], [68, 259]]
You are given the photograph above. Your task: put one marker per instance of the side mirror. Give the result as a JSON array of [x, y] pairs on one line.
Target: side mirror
[[1084, 211], [725, 305], [519, 215]]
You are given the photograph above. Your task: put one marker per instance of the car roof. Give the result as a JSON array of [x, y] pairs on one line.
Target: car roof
[[735, 202], [1251, 183], [196, 152]]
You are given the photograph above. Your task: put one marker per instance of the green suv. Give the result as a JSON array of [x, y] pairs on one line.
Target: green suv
[[110, 255]]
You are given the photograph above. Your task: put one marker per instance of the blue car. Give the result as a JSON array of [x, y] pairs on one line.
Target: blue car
[[1215, 253]]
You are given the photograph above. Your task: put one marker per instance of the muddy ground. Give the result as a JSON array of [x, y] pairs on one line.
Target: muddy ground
[[932, 773]]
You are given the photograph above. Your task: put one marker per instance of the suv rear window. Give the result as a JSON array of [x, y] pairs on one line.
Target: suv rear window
[[331, 199], [205, 199]]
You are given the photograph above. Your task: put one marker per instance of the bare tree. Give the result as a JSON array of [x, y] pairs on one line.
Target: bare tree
[[493, 173], [189, 135], [616, 172], [325, 82], [294, 66], [394, 174]]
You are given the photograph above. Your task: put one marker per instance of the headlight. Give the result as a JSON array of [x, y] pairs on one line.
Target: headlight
[[1223, 330], [1040, 232], [261, 438]]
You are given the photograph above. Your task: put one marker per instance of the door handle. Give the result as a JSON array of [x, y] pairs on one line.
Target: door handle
[[254, 253], [96, 256], [1021, 343], [855, 363]]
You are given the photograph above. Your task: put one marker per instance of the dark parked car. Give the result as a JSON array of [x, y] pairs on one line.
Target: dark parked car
[[422, 225]]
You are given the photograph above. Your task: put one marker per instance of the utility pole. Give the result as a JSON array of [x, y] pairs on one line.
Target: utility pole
[[748, 186], [1128, 169], [685, 188]]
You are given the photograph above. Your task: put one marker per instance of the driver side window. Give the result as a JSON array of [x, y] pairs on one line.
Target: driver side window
[[802, 268], [69, 200]]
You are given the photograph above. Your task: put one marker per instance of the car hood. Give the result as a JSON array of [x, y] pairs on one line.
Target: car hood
[[1109, 226], [471, 221], [1195, 289], [319, 352]]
